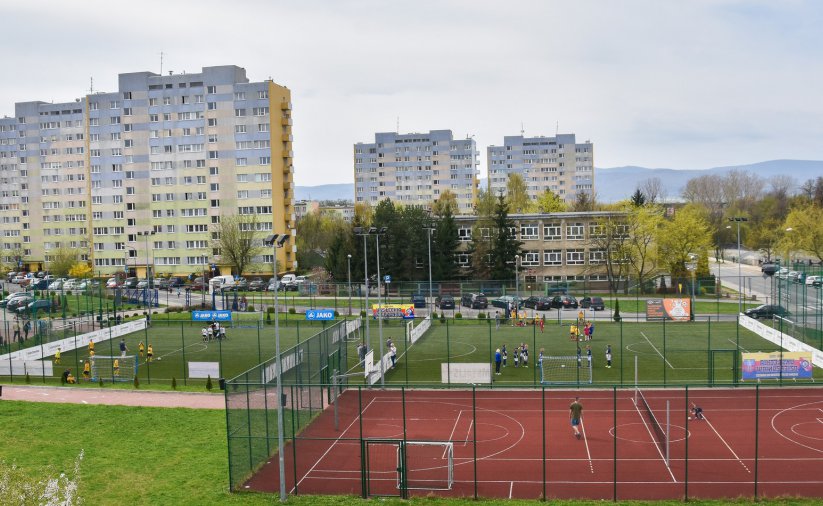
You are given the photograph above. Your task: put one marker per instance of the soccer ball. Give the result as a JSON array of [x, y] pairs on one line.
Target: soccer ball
[[159, 358], [562, 365]]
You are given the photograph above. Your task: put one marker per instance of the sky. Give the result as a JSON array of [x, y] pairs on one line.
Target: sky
[[655, 83]]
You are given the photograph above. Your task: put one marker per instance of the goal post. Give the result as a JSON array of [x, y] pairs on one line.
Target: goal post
[[425, 465], [565, 370], [114, 368], [246, 319]]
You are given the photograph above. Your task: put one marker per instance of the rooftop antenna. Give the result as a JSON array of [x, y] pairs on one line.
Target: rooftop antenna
[[91, 85], [522, 132], [398, 125], [557, 129], [161, 63]]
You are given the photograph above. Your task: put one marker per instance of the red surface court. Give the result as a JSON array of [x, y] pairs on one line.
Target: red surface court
[[500, 441]]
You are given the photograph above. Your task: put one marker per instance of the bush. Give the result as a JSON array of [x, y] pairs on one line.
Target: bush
[[68, 293], [100, 381], [250, 308], [136, 382], [292, 310], [458, 316], [270, 309], [481, 316], [28, 379], [362, 314], [617, 317], [442, 318], [173, 383], [209, 385]]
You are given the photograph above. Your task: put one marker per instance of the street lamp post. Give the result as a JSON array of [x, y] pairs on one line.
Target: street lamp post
[[348, 262], [146, 234], [365, 232], [516, 276], [431, 295], [738, 220], [691, 266], [277, 241]]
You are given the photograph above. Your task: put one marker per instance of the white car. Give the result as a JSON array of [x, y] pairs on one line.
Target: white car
[[71, 284], [18, 279], [811, 279], [57, 284]]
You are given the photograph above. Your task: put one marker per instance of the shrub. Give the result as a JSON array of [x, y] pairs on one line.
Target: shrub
[[481, 316], [209, 385], [292, 310], [100, 381], [250, 308], [28, 379], [362, 314], [136, 382], [173, 383], [617, 310], [68, 293], [442, 318], [458, 316]]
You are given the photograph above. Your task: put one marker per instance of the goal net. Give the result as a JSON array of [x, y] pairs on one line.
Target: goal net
[[113, 369], [429, 465], [565, 370], [246, 319]]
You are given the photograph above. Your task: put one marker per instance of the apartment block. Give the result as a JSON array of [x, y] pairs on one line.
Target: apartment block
[[136, 179], [559, 164], [416, 168]]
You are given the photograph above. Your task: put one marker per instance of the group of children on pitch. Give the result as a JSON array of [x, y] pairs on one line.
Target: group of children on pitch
[[213, 331], [68, 377], [520, 355]]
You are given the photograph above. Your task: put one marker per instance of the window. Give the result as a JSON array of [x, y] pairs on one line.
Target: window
[[464, 234], [263, 127], [239, 113], [240, 95], [212, 122], [239, 129], [552, 232], [575, 257], [597, 257], [574, 231], [243, 194], [211, 106], [552, 257], [530, 258], [529, 231], [211, 90]]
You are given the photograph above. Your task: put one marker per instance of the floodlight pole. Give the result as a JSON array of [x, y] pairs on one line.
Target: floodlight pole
[[366, 275], [277, 241], [348, 262], [380, 313], [431, 291]]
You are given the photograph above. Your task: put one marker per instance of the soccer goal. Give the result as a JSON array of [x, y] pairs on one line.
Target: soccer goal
[[115, 369], [565, 370], [246, 319], [426, 465]]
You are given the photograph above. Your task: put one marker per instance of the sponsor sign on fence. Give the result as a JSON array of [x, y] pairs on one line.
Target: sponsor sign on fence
[[668, 309], [393, 311], [787, 365]]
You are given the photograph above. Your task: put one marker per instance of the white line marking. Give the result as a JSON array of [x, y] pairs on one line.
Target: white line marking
[[511, 488], [660, 452], [330, 447], [656, 350], [586, 440], [705, 419], [734, 343], [468, 433], [456, 421]]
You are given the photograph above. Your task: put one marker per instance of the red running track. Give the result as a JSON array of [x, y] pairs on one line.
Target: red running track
[[500, 441]]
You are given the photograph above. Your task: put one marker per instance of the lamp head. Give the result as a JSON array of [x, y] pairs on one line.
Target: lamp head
[[269, 240], [282, 240]]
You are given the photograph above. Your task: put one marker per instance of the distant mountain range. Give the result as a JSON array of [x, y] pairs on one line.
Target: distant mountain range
[[622, 181]]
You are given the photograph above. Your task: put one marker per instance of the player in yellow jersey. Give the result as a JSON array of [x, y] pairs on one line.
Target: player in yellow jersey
[[57, 357], [150, 353], [141, 348], [116, 368]]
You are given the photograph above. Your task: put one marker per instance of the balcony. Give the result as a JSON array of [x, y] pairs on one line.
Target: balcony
[[285, 121], [286, 138], [285, 106]]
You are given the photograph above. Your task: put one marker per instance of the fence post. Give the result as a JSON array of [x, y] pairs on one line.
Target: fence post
[[491, 373], [622, 350], [534, 350], [448, 359], [474, 436], [614, 443], [363, 464], [756, 436], [686, 460], [665, 382], [544, 431], [404, 485], [183, 342]]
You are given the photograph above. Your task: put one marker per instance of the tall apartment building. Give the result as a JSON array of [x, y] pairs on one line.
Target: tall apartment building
[[558, 164], [415, 169], [137, 177]]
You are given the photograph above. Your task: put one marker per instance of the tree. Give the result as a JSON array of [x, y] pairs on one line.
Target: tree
[[238, 241], [484, 203], [638, 199], [446, 202], [11, 256], [549, 202], [517, 196], [688, 232], [316, 233], [609, 239], [584, 201], [62, 260], [80, 270], [643, 226], [653, 189], [505, 245], [444, 240], [806, 232]]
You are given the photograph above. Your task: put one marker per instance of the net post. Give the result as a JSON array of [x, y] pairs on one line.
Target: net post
[[756, 435], [686, 456], [474, 431], [636, 384]]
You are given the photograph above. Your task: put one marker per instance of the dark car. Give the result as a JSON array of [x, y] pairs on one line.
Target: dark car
[[19, 302], [257, 285], [595, 303], [444, 302], [766, 311], [161, 284], [538, 303], [199, 284], [35, 307], [418, 300], [131, 283], [40, 284], [564, 302], [175, 282]]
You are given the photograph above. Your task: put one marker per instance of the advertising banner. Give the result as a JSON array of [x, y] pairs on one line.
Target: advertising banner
[[774, 365], [405, 311], [668, 309]]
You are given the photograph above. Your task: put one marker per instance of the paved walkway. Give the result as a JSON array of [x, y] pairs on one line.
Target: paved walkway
[[75, 395]]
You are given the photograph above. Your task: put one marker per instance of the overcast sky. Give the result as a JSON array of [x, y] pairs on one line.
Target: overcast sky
[[679, 84]]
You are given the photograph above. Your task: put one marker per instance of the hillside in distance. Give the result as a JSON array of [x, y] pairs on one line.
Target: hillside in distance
[[622, 181]]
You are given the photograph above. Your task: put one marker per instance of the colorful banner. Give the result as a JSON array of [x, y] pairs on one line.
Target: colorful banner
[[668, 309], [405, 311], [795, 364]]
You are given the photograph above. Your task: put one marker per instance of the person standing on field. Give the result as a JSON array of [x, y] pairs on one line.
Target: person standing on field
[[576, 416], [497, 361]]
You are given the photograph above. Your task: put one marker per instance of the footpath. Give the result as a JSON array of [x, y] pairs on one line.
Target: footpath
[[73, 395]]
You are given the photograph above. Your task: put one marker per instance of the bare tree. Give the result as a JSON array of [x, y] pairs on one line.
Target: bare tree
[[238, 240], [653, 189]]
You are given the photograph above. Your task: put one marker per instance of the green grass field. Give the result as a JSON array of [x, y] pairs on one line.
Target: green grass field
[[675, 353]]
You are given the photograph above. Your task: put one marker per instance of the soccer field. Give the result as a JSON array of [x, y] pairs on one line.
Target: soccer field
[[700, 352]]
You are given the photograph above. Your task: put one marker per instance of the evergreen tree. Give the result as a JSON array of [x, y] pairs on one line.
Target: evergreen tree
[[444, 246], [638, 199], [505, 244]]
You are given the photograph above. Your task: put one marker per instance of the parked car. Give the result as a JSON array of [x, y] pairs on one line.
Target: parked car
[[57, 284], [418, 300], [198, 285], [766, 311], [10, 276], [288, 282], [130, 282], [273, 285], [40, 284], [769, 269], [145, 283], [508, 301], [444, 302], [257, 285], [16, 295], [595, 303], [783, 273], [810, 280], [222, 283], [162, 284], [474, 301], [241, 285], [19, 301], [71, 284], [538, 303], [794, 276], [35, 307], [113, 283], [175, 282], [18, 278], [564, 302]]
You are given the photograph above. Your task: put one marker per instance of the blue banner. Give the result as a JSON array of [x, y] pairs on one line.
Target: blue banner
[[211, 316], [319, 314]]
